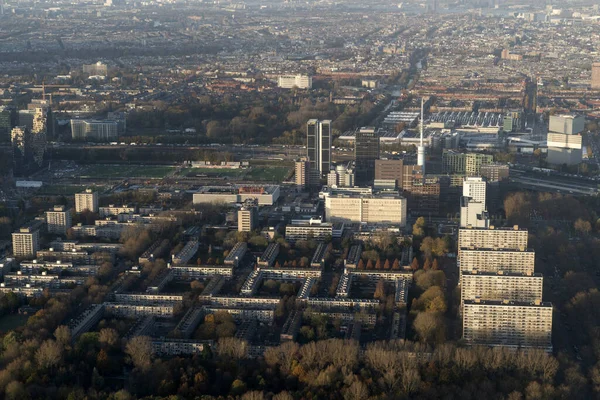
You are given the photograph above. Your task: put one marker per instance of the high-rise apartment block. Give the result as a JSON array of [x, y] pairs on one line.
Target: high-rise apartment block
[[508, 323], [87, 200], [492, 238], [501, 285], [5, 123], [302, 173], [596, 76], [248, 216], [58, 220], [366, 151], [26, 242], [490, 260], [318, 146]]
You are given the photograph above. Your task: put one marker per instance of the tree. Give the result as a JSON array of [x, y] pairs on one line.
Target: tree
[[427, 264], [396, 265], [419, 227], [139, 349], [582, 226], [387, 265], [380, 290], [361, 264], [378, 264], [356, 391], [15, 390], [108, 337], [369, 264], [63, 335], [435, 266], [429, 327], [49, 354]]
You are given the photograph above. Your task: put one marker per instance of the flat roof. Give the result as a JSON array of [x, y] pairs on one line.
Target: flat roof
[[509, 303]]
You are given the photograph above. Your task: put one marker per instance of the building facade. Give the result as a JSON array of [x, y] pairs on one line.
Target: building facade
[[508, 324], [318, 146], [87, 200], [58, 220], [366, 151], [489, 260], [26, 242], [501, 285], [374, 209]]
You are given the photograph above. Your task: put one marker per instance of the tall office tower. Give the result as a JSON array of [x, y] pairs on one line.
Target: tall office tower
[[5, 123], [508, 323], [20, 138], [318, 145], [38, 136], [421, 147], [564, 139], [26, 242], [248, 216], [87, 200], [366, 151], [475, 188], [58, 220], [596, 76], [501, 285], [473, 214], [302, 173]]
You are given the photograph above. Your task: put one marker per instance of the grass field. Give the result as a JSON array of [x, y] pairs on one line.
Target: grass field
[[125, 171], [271, 174], [12, 321]]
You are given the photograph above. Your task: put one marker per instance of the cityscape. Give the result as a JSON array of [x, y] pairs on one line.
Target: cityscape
[[299, 200]]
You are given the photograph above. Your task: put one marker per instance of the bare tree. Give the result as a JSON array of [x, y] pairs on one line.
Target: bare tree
[[49, 354], [108, 336], [411, 380], [254, 395], [63, 335], [356, 391], [282, 396], [229, 347], [139, 349]]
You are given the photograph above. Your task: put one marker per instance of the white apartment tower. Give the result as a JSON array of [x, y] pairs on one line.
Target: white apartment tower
[[58, 220], [87, 200]]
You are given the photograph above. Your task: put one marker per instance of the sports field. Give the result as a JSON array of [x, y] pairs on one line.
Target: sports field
[[12, 321]]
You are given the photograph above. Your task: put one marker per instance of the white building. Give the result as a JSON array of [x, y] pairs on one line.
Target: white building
[[87, 200], [508, 324], [473, 214], [501, 285], [373, 209], [58, 220], [494, 260], [291, 81], [475, 188]]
